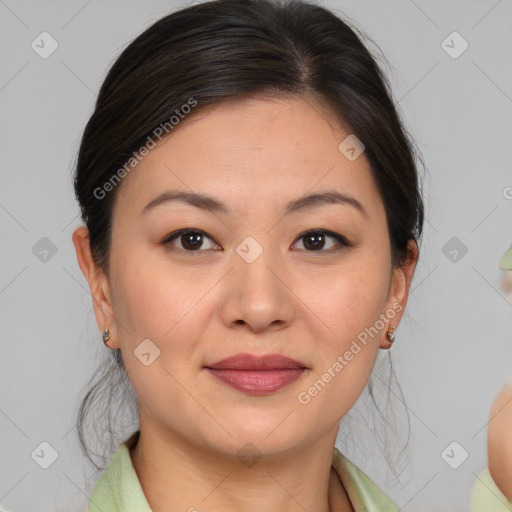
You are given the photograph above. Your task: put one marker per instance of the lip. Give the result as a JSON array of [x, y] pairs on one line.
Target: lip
[[252, 362], [257, 375]]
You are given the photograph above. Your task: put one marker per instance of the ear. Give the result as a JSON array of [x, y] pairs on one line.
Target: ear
[[98, 284], [399, 291]]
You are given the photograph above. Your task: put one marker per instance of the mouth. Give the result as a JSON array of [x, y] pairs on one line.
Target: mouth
[[257, 375]]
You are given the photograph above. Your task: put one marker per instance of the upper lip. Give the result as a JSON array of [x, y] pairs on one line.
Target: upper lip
[[253, 362]]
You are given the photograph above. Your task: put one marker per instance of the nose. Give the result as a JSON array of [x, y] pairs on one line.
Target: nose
[[258, 295]]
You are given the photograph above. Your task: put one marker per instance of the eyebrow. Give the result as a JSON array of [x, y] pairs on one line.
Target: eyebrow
[[208, 203]]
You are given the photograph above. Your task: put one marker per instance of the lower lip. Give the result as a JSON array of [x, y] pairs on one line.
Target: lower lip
[[257, 382]]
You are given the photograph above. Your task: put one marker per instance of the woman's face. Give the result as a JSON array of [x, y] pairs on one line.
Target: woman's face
[[252, 283]]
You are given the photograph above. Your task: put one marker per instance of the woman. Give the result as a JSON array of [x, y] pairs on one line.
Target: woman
[[492, 490], [252, 216]]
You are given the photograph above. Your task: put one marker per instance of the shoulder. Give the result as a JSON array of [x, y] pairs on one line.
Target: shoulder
[[486, 496], [363, 492], [118, 488], [499, 440], [105, 494]]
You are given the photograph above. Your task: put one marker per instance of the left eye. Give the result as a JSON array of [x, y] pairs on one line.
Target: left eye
[[313, 240], [316, 238]]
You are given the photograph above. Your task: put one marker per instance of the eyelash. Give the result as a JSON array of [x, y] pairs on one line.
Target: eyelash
[[342, 241]]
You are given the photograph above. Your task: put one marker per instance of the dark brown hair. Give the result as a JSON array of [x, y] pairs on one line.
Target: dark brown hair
[[225, 49]]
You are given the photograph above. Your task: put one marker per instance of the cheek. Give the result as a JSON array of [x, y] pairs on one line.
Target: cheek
[[351, 299], [154, 301], [151, 302], [349, 304]]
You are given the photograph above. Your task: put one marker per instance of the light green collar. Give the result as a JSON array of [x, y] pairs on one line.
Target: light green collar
[[118, 488]]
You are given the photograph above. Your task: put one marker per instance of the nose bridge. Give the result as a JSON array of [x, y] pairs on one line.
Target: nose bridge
[[261, 296], [258, 262]]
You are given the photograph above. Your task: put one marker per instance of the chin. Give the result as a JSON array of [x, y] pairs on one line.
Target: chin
[[266, 435]]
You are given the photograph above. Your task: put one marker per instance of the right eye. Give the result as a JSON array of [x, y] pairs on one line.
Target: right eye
[[191, 240]]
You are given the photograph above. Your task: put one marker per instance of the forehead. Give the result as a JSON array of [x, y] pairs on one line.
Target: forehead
[[263, 150]]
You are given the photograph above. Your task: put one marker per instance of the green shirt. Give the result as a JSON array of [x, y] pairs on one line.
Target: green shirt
[[486, 495], [118, 488]]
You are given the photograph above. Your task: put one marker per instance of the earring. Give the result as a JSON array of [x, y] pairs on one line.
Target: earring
[[390, 334], [106, 336]]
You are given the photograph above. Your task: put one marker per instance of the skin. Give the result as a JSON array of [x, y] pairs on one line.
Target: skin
[[499, 441], [255, 155]]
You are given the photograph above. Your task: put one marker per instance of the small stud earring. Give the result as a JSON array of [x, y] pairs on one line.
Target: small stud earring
[[106, 336], [390, 334]]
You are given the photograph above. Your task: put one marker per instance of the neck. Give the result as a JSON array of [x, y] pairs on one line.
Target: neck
[[176, 475]]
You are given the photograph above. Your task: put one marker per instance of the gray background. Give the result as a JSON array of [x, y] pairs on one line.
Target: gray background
[[454, 347]]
